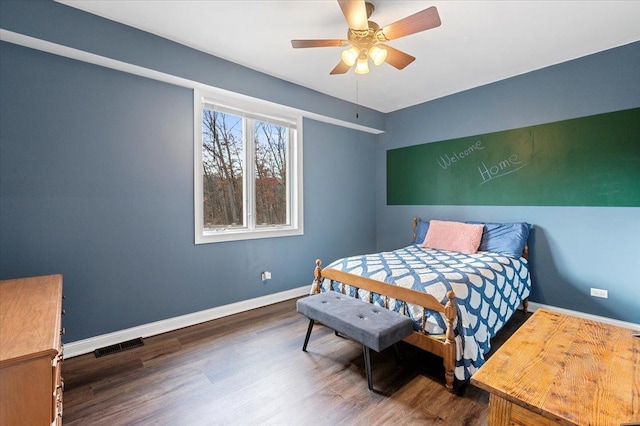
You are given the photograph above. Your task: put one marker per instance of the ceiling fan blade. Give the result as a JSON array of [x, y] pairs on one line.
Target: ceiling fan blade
[[398, 58], [355, 12], [415, 23], [341, 68], [318, 43]]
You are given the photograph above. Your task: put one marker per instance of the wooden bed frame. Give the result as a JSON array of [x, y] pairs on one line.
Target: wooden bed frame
[[442, 345]]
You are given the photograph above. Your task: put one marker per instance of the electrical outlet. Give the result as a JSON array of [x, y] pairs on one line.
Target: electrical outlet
[[266, 275], [598, 292]]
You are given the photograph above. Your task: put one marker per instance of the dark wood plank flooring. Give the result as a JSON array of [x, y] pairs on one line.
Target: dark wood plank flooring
[[249, 369]]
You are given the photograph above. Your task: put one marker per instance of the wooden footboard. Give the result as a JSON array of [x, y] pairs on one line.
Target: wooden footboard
[[441, 345]]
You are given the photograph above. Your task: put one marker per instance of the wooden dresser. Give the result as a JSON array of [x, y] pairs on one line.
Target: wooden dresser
[[31, 351]]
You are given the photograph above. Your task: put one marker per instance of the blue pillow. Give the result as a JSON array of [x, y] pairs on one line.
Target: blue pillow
[[421, 231], [504, 238]]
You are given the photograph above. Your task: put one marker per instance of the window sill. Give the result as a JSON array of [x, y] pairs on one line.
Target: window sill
[[208, 237]]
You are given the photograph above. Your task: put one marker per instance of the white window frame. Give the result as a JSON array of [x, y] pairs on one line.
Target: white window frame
[[256, 110]]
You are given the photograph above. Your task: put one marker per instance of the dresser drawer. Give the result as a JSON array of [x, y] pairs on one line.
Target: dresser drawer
[[31, 359], [58, 388]]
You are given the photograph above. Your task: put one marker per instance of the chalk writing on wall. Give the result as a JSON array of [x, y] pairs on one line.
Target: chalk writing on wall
[[503, 168], [450, 158]]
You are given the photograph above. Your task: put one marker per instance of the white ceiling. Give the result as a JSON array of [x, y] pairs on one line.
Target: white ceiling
[[479, 42]]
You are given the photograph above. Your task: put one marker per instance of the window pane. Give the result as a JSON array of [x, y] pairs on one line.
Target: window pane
[[222, 168], [271, 144]]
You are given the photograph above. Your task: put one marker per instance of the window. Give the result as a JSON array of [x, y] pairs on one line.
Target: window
[[248, 172]]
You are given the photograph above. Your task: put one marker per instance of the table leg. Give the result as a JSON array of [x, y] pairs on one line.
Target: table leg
[[499, 411]]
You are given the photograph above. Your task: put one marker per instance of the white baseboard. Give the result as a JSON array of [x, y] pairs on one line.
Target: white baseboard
[[81, 347], [84, 346], [533, 306]]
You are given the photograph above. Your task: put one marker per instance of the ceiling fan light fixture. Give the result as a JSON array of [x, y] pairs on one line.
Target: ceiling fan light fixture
[[366, 38], [378, 54], [350, 56], [362, 66]]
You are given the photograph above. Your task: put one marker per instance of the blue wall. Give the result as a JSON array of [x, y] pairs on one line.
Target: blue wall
[[571, 248], [96, 183]]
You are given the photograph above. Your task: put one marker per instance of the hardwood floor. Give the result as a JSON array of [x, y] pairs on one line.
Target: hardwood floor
[[249, 369]]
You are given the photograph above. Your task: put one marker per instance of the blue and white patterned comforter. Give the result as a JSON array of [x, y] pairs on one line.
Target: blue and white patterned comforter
[[488, 287]]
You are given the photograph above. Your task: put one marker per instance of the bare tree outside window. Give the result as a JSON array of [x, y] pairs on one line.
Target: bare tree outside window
[[271, 174], [222, 161], [223, 171]]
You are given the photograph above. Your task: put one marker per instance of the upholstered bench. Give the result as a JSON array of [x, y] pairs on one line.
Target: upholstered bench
[[374, 327]]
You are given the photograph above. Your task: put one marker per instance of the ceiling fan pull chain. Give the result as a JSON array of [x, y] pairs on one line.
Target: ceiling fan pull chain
[[357, 99]]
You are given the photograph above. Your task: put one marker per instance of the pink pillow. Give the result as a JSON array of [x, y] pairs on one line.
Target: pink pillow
[[454, 236]]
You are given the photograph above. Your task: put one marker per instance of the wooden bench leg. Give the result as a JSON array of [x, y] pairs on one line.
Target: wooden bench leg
[[367, 366], [306, 339]]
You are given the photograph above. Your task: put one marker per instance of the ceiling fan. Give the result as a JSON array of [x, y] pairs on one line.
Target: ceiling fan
[[367, 39]]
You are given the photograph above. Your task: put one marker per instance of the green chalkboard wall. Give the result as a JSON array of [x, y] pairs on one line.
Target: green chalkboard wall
[[590, 161]]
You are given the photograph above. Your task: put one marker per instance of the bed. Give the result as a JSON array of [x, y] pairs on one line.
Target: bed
[[458, 296]]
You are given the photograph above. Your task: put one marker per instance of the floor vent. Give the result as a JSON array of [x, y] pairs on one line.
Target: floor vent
[[118, 347]]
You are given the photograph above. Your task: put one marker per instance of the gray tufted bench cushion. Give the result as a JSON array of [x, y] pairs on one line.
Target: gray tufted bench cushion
[[376, 328]]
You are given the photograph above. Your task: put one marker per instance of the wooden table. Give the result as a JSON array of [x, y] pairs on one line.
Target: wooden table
[[563, 370]]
